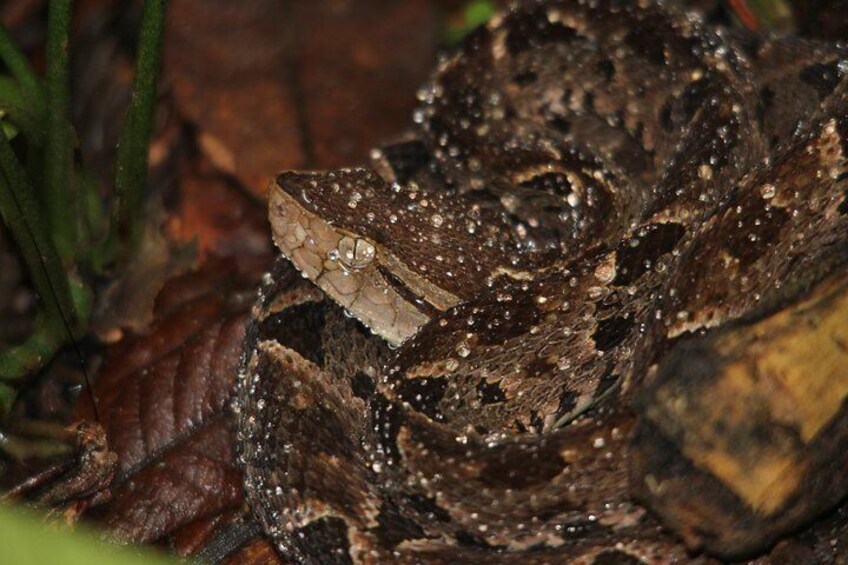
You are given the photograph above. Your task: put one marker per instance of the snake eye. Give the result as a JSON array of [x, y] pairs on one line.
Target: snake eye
[[354, 253]]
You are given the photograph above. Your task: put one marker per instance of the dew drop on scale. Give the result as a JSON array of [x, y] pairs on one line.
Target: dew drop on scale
[[768, 191]]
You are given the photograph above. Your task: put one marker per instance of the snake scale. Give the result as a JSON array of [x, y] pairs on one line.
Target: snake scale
[[441, 367]]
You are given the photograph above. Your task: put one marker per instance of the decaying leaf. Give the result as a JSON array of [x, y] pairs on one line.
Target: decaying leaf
[[272, 85], [163, 399], [128, 301]]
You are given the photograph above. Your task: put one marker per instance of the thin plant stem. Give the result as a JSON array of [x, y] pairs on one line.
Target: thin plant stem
[[131, 164], [59, 192], [20, 210]]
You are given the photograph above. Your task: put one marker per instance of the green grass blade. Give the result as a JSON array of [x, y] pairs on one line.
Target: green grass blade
[[131, 164], [20, 210], [22, 71], [59, 195], [15, 109]]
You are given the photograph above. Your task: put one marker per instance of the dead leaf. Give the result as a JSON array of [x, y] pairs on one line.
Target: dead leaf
[[272, 85], [163, 399], [128, 302], [213, 212], [357, 78], [257, 552], [226, 63]]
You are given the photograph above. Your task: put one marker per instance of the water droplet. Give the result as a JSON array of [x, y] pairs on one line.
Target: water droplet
[[605, 272], [768, 191], [596, 292]]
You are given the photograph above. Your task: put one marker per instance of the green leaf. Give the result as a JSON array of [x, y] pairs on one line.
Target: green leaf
[[23, 539], [475, 13], [478, 13]]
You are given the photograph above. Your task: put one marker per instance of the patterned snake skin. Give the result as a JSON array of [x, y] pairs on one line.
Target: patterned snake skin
[[441, 368]]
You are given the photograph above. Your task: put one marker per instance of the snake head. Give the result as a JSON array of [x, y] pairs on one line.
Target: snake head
[[375, 248]]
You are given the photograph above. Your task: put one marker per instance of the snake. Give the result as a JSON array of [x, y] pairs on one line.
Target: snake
[[442, 363]]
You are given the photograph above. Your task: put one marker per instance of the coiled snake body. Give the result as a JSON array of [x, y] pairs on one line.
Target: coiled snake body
[[586, 183]]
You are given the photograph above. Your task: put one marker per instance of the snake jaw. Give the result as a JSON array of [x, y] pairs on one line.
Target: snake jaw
[[343, 265]]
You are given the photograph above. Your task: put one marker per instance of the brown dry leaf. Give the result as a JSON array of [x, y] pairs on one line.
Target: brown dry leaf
[[225, 63], [272, 85], [257, 552], [357, 78], [192, 537], [163, 399], [210, 210], [128, 302]]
